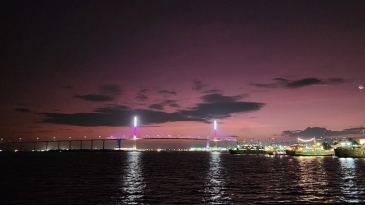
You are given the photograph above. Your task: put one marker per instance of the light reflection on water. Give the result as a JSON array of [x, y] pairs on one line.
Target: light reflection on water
[[133, 180], [313, 178], [215, 181], [349, 186]]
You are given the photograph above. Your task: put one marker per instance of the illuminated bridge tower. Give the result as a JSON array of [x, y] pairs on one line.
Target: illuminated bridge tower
[[135, 133], [215, 134]]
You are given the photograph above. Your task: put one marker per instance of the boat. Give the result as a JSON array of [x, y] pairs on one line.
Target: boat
[[279, 152], [245, 149], [350, 148], [354, 151], [303, 150], [275, 150]]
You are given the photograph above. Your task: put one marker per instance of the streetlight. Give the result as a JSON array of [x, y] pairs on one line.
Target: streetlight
[[1, 140], [99, 137], [20, 139], [37, 138], [85, 137], [69, 138], [54, 138]]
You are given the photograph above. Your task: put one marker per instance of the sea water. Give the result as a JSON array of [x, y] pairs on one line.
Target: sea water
[[178, 178]]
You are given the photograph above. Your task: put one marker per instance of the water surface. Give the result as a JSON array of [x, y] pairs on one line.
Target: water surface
[[178, 178]]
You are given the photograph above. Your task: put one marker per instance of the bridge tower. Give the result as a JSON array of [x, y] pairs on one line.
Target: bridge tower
[[215, 134], [135, 133]]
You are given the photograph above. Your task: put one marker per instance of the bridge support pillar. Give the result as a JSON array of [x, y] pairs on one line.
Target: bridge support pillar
[[134, 144]]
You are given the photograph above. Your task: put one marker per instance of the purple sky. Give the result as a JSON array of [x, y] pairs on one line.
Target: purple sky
[[262, 69]]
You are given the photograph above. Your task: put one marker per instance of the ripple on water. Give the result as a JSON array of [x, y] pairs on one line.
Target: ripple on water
[[178, 178]]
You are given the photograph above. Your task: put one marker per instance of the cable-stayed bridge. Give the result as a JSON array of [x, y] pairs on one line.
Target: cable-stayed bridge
[[89, 143]]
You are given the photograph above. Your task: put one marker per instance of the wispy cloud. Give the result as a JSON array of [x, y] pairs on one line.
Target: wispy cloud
[[68, 87], [95, 97], [161, 105], [294, 84], [106, 93], [23, 110], [141, 95], [198, 85], [167, 92], [110, 89]]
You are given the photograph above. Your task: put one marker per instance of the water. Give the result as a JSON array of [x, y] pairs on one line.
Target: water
[[178, 178]]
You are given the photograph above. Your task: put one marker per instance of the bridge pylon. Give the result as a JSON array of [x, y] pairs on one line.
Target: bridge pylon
[[215, 135], [135, 134]]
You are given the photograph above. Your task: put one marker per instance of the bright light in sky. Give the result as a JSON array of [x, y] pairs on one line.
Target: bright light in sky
[[215, 125], [135, 121], [361, 87]]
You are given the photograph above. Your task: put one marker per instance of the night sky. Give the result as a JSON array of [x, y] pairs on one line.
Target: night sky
[[262, 69]]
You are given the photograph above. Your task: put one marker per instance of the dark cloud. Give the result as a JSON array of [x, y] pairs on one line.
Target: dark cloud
[[68, 87], [110, 89], [218, 98], [141, 95], [160, 106], [320, 131], [167, 92], [198, 85], [111, 108], [294, 84], [336, 80], [304, 82], [114, 117], [221, 110], [23, 110], [106, 93], [212, 91], [218, 107], [28, 105], [95, 97], [174, 105]]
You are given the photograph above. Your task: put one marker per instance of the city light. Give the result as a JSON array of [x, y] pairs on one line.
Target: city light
[[306, 140]]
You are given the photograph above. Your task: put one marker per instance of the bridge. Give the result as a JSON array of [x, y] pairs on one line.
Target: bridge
[[89, 143]]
